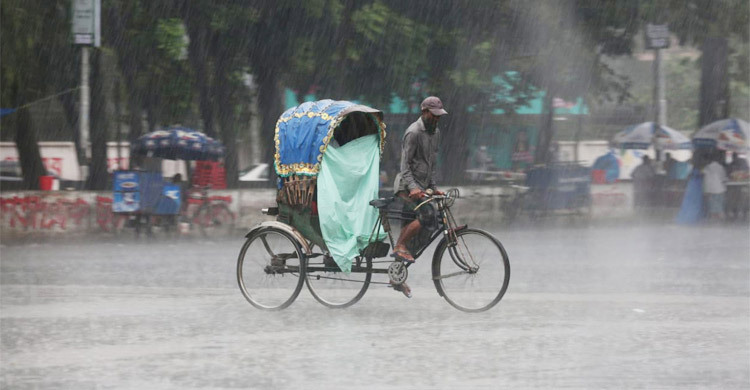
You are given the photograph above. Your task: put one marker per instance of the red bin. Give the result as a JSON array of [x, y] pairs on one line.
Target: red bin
[[46, 183]]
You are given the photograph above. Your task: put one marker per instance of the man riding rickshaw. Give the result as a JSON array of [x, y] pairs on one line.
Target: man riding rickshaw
[[330, 225]]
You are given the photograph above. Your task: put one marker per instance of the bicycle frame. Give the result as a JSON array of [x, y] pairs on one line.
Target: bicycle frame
[[446, 223]]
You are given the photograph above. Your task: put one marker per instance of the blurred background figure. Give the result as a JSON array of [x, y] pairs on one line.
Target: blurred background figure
[[643, 176], [738, 196], [715, 187], [481, 162]]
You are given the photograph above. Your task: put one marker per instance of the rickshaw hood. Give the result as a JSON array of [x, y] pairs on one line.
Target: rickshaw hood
[[303, 133]]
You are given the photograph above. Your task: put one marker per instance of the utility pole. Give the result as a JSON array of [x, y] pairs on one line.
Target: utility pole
[[118, 115], [657, 38], [83, 120], [86, 27], [660, 101]]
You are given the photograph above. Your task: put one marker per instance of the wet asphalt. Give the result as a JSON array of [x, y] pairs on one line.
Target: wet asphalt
[[619, 306]]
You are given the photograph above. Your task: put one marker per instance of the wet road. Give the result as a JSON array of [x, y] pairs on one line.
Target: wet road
[[657, 306]]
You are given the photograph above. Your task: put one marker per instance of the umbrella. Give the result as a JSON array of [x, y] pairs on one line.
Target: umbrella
[[643, 135], [727, 134], [177, 143]]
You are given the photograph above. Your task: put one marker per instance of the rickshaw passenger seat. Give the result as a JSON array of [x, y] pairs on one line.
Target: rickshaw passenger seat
[[382, 202]]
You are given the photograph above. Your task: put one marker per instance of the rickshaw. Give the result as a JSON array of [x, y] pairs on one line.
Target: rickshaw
[[331, 228]]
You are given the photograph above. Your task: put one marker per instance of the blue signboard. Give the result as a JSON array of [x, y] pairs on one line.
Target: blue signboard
[[145, 192], [127, 197], [169, 203], [126, 202]]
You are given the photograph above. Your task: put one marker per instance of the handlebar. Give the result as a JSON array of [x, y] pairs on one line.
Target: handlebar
[[451, 194]]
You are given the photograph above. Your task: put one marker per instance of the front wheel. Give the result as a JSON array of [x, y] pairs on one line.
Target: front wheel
[[334, 288], [271, 269], [473, 272]]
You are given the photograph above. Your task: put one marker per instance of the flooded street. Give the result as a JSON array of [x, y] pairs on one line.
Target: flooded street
[[650, 306]]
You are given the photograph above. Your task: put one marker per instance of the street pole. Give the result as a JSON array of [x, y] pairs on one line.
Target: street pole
[[656, 102], [662, 83], [119, 123], [83, 119], [657, 38]]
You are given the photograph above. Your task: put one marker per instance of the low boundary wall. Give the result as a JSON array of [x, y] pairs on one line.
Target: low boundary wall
[[57, 212]]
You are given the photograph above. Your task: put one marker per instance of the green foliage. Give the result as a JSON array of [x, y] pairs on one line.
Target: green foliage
[[189, 59], [694, 20], [171, 38]]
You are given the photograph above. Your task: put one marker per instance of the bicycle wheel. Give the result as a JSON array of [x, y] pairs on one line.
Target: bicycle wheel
[[473, 274], [271, 269], [334, 288], [214, 220]]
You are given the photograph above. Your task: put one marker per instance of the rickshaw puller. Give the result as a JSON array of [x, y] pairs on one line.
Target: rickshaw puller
[[419, 150]]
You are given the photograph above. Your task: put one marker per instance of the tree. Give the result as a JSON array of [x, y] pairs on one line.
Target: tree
[[34, 34], [568, 40], [710, 24]]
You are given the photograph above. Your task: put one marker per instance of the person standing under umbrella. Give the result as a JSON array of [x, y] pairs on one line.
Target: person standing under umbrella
[[714, 187], [643, 178], [737, 201]]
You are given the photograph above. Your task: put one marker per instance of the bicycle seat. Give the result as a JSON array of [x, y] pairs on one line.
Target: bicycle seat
[[380, 203]]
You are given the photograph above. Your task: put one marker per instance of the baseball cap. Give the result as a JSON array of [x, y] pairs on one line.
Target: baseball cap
[[433, 104]]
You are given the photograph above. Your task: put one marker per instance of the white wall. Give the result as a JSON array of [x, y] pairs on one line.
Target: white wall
[[60, 158]]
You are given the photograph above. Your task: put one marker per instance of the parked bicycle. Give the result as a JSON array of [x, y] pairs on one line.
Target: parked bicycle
[[210, 214]]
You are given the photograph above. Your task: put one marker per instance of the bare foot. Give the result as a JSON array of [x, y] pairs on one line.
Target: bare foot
[[404, 288], [401, 253]]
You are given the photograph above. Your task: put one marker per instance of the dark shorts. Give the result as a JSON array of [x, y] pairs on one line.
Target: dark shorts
[[426, 214]]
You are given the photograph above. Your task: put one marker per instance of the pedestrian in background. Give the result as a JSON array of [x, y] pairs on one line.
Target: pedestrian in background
[[738, 201], [714, 187], [643, 178]]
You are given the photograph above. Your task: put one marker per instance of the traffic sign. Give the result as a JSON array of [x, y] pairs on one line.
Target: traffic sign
[[657, 36]]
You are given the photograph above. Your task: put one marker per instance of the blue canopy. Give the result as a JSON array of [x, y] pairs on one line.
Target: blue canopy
[[177, 143], [303, 133]]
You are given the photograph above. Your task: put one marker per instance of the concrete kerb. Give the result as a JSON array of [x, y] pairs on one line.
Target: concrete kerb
[[66, 213]]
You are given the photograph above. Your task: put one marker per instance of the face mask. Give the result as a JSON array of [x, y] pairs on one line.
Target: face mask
[[430, 124]]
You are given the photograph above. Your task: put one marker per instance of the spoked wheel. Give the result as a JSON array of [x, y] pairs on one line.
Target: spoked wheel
[[334, 288], [271, 269], [473, 274], [214, 220]]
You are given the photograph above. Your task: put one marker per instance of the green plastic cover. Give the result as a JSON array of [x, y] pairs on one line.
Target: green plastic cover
[[347, 182]]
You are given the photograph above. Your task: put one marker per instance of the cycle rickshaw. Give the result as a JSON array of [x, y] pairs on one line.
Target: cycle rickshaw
[[338, 247]]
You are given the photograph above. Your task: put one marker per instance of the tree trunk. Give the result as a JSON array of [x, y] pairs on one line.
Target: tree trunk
[[98, 175], [29, 157], [714, 92], [198, 56], [269, 103], [68, 102], [544, 136], [226, 119], [454, 142], [135, 112]]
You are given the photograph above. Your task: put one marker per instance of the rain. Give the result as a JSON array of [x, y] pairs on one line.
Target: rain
[[227, 194]]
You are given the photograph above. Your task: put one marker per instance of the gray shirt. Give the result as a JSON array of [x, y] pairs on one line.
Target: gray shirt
[[419, 151]]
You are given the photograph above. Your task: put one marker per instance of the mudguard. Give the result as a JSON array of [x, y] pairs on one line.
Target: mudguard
[[285, 228]]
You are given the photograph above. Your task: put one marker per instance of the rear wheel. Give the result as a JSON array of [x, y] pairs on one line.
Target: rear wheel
[[473, 274], [270, 269], [334, 288]]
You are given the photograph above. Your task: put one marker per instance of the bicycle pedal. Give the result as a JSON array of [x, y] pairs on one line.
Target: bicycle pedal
[[397, 273]]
